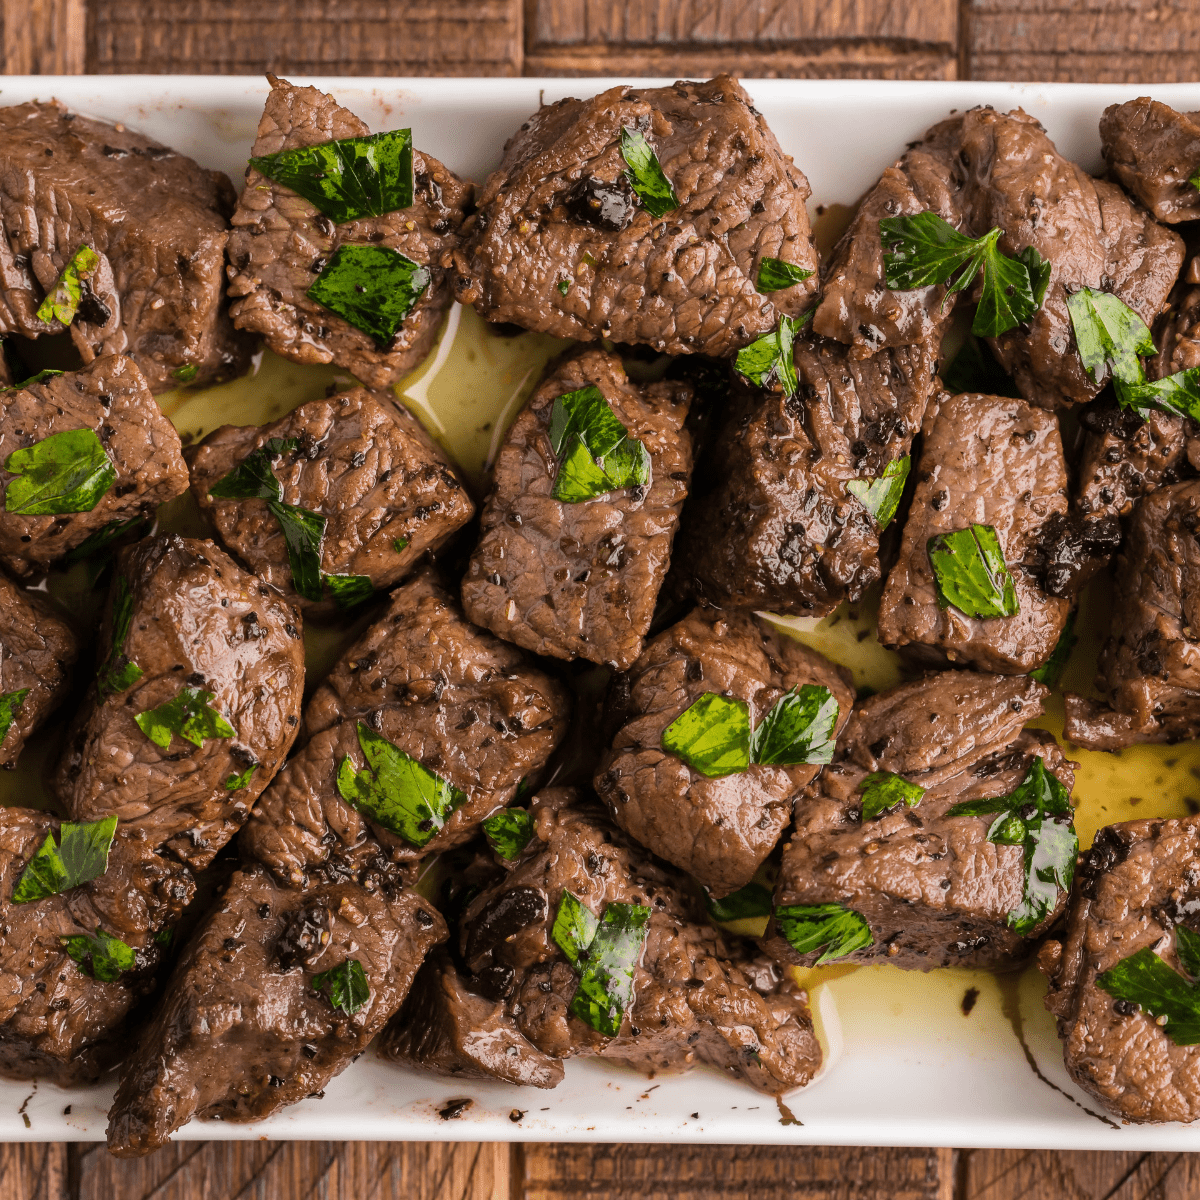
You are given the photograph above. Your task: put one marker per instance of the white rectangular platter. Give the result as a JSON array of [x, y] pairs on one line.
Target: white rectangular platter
[[905, 1066]]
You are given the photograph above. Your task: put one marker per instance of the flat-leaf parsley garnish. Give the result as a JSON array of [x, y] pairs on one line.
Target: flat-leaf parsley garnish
[[768, 359], [395, 791], [80, 855], [880, 495], [970, 572], [347, 986], [371, 287], [798, 729], [1037, 815], [67, 472], [119, 670], [1110, 336], [645, 174], [508, 832], [749, 903], [189, 716], [348, 178], [774, 275], [63, 299], [833, 928], [1050, 672], [595, 452], [1146, 981], [923, 250], [10, 705], [884, 790], [102, 956]]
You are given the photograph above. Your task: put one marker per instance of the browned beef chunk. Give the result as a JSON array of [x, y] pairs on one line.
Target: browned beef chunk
[[992, 461], [696, 997], [37, 650], [1135, 887], [1154, 151], [57, 1021], [1150, 666], [159, 223], [110, 398], [387, 492], [581, 580], [561, 244], [199, 633], [772, 526], [1177, 331], [934, 891], [466, 705], [717, 829], [281, 243]]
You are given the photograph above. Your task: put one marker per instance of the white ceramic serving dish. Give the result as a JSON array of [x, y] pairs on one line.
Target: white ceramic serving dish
[[905, 1066]]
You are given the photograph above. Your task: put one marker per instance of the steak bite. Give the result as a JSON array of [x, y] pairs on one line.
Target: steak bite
[[564, 243], [78, 451], [1154, 152], [673, 992], [1149, 669], [774, 524], [158, 224], [926, 887], [995, 463], [37, 651], [1135, 899], [363, 463], [281, 243], [580, 578], [467, 708], [195, 703], [717, 821], [61, 1019]]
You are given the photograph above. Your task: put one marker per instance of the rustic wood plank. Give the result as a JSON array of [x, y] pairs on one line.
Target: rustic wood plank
[[1062, 1175], [42, 37], [261, 1170], [33, 1171], [636, 1172], [362, 37], [812, 38], [1096, 41]]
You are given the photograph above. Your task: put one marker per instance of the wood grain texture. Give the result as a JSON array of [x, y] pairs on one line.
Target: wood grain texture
[[1095, 41], [1059, 1175], [295, 1171], [33, 1171], [42, 37], [315, 37]]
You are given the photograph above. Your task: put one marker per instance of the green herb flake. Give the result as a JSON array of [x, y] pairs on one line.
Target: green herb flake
[[63, 299], [395, 791], [1050, 672], [350, 178], [798, 729], [1037, 815], [605, 989], [235, 783], [80, 855], [564, 286], [711, 735], [400, 544], [970, 572], [67, 472], [103, 957], [253, 478], [119, 671], [880, 494], [645, 174], [189, 716], [10, 704], [165, 936], [836, 929], [595, 452], [1194, 180], [883, 790], [750, 903], [303, 531], [1110, 336], [40, 377], [768, 359], [509, 832], [371, 287], [347, 984], [574, 928], [774, 275], [923, 250], [1178, 393], [1146, 980], [348, 590], [186, 373]]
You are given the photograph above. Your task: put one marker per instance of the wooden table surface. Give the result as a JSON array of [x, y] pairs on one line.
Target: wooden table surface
[[1099, 40]]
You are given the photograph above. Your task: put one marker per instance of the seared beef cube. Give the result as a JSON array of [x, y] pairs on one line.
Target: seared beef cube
[[157, 220], [251, 1021], [563, 245], [1135, 898], [778, 529], [58, 1021], [1150, 666], [1177, 331], [581, 579], [281, 243], [721, 827], [118, 457], [37, 650], [467, 706], [1154, 151], [195, 703], [447, 1028], [694, 996], [986, 460], [386, 491], [930, 886]]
